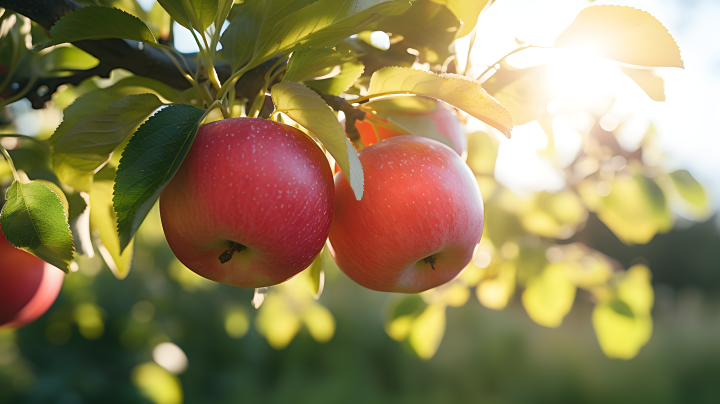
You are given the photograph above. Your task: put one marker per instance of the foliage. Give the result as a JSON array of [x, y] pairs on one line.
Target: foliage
[[320, 49]]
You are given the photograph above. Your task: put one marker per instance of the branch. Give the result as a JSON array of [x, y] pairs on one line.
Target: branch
[[352, 114], [143, 61]]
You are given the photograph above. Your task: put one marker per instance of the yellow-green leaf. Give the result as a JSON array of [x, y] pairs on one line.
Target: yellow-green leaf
[[621, 33], [467, 11], [653, 85], [427, 331], [620, 336], [459, 91], [102, 223], [305, 107], [549, 296]]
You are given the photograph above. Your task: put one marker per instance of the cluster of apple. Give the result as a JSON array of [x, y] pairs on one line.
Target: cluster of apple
[[254, 202]]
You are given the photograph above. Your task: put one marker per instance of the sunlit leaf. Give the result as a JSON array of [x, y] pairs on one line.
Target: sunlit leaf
[[237, 323], [349, 73], [103, 221], [523, 92], [690, 189], [621, 33], [620, 336], [34, 220], [157, 384], [653, 85], [305, 107], [636, 290], [319, 322], [549, 296], [149, 162], [467, 11], [97, 23], [458, 91], [427, 331], [83, 147], [310, 62], [277, 323], [317, 276], [495, 293]]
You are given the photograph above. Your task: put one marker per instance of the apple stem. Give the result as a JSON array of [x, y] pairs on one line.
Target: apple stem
[[430, 260], [225, 256]]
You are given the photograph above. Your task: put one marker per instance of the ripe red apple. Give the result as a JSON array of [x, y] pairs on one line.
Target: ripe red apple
[[251, 205], [28, 286], [446, 123], [419, 220]]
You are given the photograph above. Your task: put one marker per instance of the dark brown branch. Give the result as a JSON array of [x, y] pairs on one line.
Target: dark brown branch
[[52, 83], [143, 61]]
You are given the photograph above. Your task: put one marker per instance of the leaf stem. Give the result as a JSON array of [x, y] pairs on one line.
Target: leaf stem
[[370, 96], [10, 162]]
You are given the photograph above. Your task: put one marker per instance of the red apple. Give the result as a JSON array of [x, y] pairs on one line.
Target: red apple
[[419, 220], [251, 205], [28, 286], [446, 123]]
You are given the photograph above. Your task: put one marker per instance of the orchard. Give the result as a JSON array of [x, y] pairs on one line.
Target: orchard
[[307, 166]]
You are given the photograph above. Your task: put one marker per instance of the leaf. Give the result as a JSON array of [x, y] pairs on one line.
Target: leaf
[[305, 107], [79, 151], [427, 331], [419, 126], [653, 85], [102, 222], [349, 73], [320, 23], [459, 91], [201, 16], [620, 336], [549, 296], [206, 11], [150, 160], [467, 11], [34, 220], [524, 92], [97, 23], [239, 38], [689, 188], [317, 276], [309, 62], [621, 33]]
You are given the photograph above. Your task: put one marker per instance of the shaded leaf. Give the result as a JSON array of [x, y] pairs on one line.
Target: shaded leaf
[[458, 91], [305, 107], [653, 85], [150, 160], [97, 23], [82, 148], [310, 62], [349, 73], [102, 222], [621, 33], [241, 35], [34, 220]]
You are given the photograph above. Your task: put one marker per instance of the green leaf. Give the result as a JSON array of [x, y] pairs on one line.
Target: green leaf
[[79, 151], [427, 331], [206, 11], [621, 33], [305, 107], [689, 188], [97, 23], [419, 126], [467, 11], [202, 14], [312, 61], [102, 222], [458, 91], [349, 73], [287, 27], [34, 220], [150, 160], [239, 38]]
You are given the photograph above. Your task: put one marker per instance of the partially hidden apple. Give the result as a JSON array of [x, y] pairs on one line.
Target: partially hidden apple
[[251, 205], [28, 286], [418, 223], [442, 115]]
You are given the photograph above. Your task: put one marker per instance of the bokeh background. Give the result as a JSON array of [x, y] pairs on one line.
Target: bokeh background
[[165, 335]]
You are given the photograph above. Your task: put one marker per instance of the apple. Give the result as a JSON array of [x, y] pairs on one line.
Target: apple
[[28, 286], [419, 220], [251, 205], [446, 123]]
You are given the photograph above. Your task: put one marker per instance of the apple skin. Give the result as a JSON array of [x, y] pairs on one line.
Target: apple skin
[[255, 182], [28, 286], [421, 200], [446, 123]]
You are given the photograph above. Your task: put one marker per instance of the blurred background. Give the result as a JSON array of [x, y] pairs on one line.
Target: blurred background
[[596, 281]]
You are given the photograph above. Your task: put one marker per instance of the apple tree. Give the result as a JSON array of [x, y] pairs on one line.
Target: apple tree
[[344, 76]]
